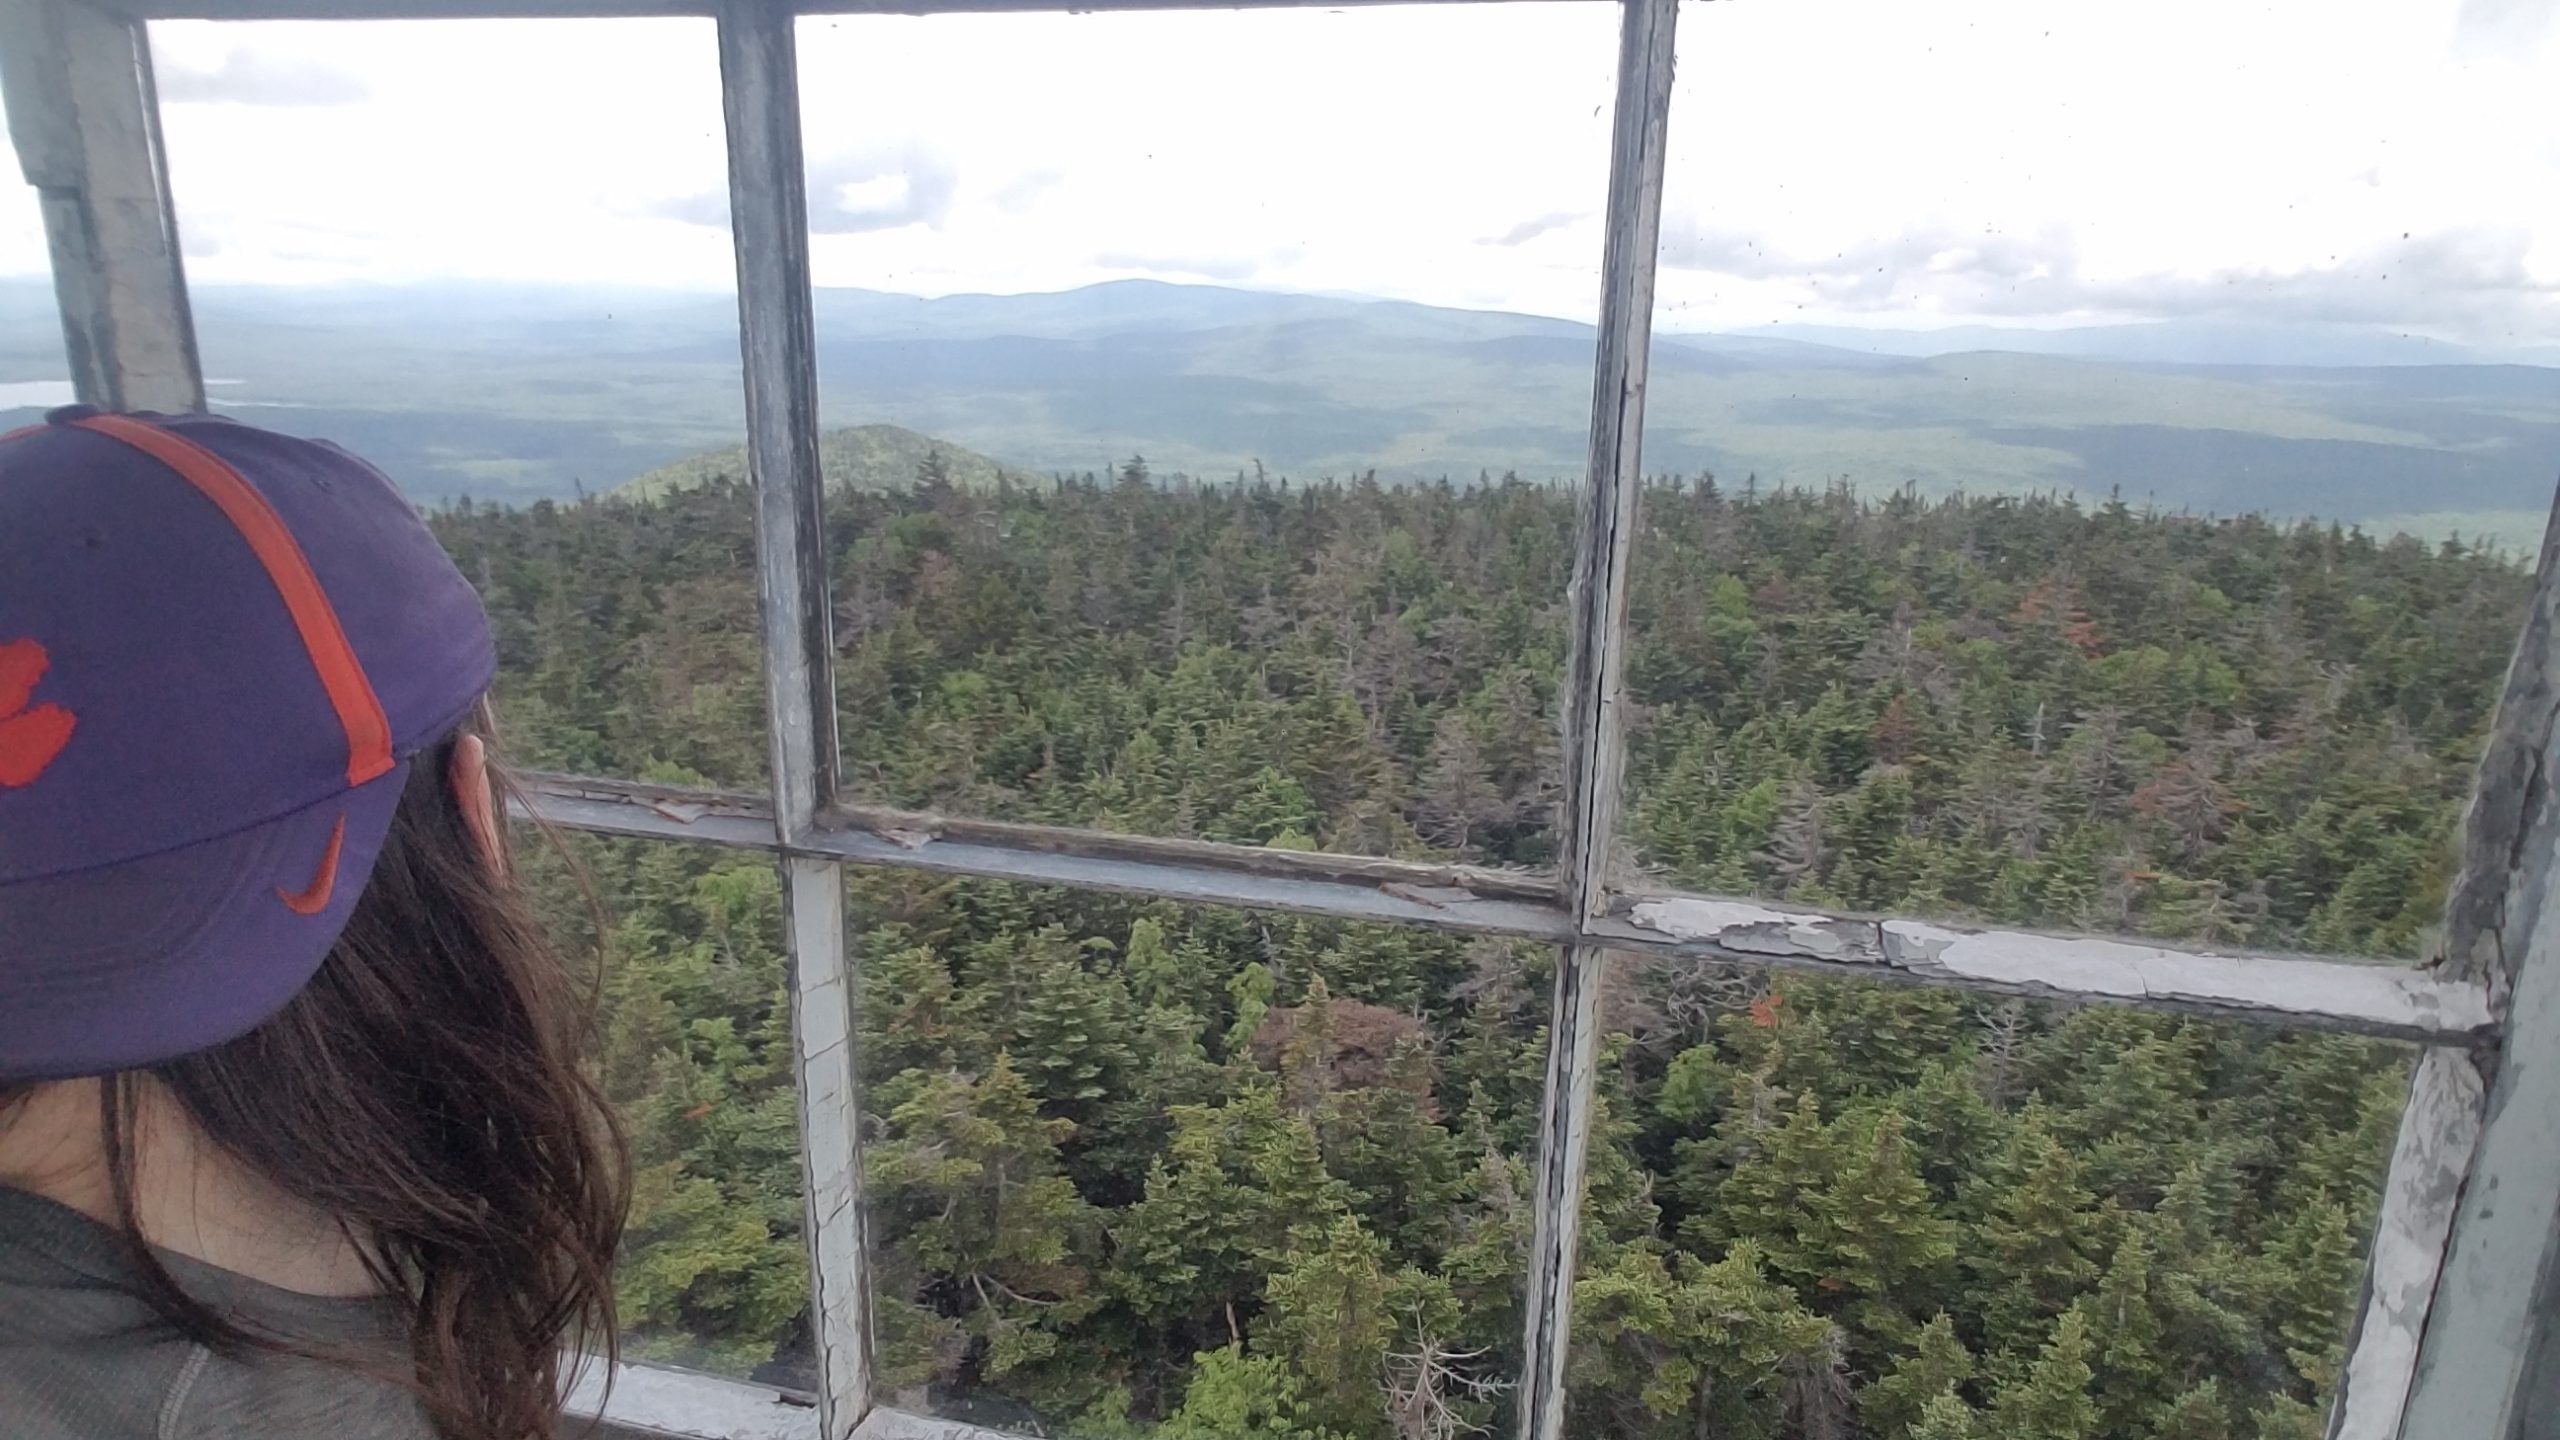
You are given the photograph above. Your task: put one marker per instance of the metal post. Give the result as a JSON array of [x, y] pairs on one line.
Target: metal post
[[2488, 1341], [768, 210], [1593, 722], [86, 120]]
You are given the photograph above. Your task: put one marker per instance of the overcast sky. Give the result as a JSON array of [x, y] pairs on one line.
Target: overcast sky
[[1852, 161]]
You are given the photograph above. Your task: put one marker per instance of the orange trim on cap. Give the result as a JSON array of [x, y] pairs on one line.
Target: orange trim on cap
[[315, 896], [341, 674]]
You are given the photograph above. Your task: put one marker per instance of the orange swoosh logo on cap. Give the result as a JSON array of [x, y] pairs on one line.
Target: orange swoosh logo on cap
[[29, 739], [315, 897]]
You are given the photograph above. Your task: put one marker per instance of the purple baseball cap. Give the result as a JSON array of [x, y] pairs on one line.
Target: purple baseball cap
[[219, 650]]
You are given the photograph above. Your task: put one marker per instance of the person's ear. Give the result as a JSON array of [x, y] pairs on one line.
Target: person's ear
[[479, 800]]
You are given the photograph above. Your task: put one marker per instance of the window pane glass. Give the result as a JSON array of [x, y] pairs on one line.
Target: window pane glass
[[627, 640], [1236, 506], [694, 1050], [2027, 552], [1134, 1165], [1823, 1207], [33, 371], [2225, 733], [492, 302]]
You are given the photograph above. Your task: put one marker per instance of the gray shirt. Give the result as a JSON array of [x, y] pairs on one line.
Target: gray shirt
[[82, 1357]]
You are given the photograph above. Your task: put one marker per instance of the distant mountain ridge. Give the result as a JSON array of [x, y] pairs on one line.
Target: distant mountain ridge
[[511, 393]]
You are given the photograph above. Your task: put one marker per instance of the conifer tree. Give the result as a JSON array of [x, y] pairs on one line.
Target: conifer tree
[[1871, 1230], [1945, 1417], [2130, 1363], [969, 1184], [1235, 1396], [1894, 1406], [2029, 1254], [2200, 1413], [1329, 1318], [2309, 1271], [2051, 1400]]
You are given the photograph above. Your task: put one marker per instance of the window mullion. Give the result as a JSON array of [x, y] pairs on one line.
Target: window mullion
[[768, 209], [2439, 1131], [86, 120], [1592, 702], [2304, 992], [2480, 1357], [621, 9]]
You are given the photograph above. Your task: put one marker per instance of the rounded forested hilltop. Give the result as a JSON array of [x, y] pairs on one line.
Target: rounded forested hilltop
[[1141, 1167]]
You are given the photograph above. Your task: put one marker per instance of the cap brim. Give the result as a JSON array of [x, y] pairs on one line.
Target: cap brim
[[129, 965]]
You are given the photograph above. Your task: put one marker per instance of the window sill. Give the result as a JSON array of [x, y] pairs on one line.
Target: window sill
[[655, 1402]]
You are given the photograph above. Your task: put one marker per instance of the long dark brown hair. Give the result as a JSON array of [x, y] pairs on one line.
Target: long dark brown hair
[[425, 1090]]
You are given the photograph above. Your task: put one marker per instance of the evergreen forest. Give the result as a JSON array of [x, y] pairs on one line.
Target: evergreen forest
[[1141, 1169]]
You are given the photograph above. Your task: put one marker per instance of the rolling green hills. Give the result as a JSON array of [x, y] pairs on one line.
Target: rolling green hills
[[858, 457], [514, 393]]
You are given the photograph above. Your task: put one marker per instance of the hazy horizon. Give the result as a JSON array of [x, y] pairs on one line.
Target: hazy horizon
[[1879, 336]]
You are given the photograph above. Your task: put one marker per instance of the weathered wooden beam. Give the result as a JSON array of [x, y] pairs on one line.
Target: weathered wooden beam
[[2512, 787], [2484, 1356], [2490, 1335], [1194, 872], [2294, 992], [1594, 694], [2402, 1002], [768, 218], [769, 222], [730, 817], [86, 120], [822, 1000], [629, 9], [2439, 1129], [909, 827]]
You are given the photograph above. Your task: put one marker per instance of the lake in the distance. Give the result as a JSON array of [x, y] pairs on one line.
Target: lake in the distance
[[43, 393]]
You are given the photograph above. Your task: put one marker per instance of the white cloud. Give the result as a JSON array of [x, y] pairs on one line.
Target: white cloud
[[2497, 26], [249, 77], [1225, 269], [2471, 282], [852, 193], [2146, 157], [1831, 159], [1308, 150], [514, 150], [1535, 226]]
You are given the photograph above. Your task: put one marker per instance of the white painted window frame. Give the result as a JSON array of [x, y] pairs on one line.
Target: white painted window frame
[[2457, 1336]]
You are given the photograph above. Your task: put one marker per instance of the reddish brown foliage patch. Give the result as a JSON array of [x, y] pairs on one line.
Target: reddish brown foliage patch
[[1365, 1039]]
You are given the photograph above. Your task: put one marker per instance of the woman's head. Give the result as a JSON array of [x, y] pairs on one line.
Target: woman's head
[[221, 651], [251, 874]]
